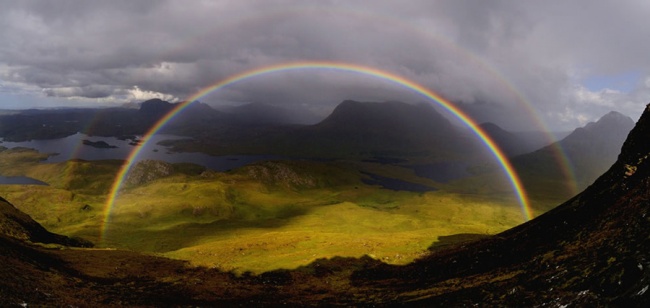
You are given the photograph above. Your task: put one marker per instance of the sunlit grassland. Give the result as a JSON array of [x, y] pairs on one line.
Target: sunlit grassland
[[397, 235], [246, 225], [262, 217]]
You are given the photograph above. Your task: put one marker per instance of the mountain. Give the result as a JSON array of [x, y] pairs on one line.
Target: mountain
[[266, 114], [592, 250], [590, 150], [391, 128]]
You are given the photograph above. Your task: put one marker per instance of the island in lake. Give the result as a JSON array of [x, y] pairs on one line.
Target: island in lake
[[98, 144]]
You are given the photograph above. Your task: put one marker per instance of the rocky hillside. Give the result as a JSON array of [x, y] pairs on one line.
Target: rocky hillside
[[18, 225]]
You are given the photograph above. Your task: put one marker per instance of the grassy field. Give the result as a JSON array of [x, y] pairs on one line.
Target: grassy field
[[266, 216]]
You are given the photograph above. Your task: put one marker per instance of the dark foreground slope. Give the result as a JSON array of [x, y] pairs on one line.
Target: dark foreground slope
[[593, 250]]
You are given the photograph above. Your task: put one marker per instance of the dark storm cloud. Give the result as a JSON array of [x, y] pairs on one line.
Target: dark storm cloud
[[492, 56]]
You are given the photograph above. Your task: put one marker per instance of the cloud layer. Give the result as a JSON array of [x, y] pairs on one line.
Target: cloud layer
[[499, 60]]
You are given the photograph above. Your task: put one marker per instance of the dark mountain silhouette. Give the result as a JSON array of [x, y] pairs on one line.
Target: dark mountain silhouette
[[155, 108], [593, 250], [392, 128], [590, 150]]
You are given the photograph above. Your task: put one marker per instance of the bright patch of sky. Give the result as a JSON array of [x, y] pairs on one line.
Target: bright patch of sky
[[624, 82]]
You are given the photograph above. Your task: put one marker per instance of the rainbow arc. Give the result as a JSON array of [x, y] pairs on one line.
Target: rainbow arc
[[498, 154]]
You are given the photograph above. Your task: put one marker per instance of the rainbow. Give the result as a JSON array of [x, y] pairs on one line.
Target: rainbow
[[327, 65]]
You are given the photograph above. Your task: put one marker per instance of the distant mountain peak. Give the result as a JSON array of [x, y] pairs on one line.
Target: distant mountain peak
[[609, 120], [156, 101], [155, 106], [590, 150]]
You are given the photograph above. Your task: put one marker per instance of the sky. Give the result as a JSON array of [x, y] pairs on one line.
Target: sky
[[525, 65]]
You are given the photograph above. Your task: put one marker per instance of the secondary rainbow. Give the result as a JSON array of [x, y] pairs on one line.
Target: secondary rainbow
[[327, 65]]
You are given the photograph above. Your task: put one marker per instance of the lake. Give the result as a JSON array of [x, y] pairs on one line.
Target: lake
[[19, 180], [79, 146], [394, 184], [73, 147], [443, 172]]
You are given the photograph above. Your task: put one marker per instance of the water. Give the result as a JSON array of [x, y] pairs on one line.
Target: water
[[442, 172], [72, 147], [395, 184], [19, 180]]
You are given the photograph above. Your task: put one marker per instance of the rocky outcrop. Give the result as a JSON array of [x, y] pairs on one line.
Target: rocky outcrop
[[147, 171]]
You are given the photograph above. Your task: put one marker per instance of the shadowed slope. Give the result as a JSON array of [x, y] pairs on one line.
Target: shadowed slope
[[18, 225]]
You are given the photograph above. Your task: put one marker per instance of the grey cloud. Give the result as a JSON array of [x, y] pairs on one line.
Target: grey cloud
[[474, 53]]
